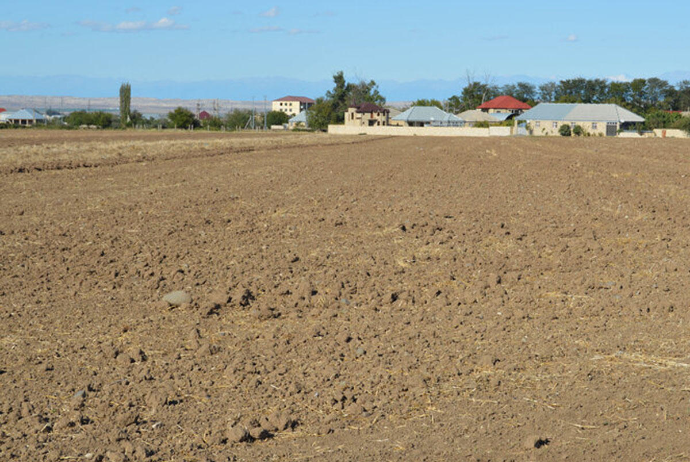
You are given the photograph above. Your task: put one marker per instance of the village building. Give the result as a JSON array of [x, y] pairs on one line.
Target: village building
[[472, 116], [595, 119], [204, 115], [298, 121], [24, 117], [504, 107], [428, 116], [366, 115], [292, 105]]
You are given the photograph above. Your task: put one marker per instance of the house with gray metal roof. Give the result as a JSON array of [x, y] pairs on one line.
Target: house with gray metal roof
[[595, 119], [428, 116], [300, 120], [26, 117]]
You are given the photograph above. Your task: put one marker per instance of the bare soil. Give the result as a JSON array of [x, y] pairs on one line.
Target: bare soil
[[352, 299]]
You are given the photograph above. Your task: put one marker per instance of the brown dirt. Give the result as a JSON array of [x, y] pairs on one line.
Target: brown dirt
[[394, 299]]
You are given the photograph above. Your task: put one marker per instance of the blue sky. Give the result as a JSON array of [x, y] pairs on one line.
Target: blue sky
[[388, 41]]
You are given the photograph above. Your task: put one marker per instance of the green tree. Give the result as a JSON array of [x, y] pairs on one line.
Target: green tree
[[331, 108], [683, 123], [136, 118], [276, 118], [476, 93], [428, 102], [182, 118], [98, 119], [320, 114], [547, 92], [125, 101], [237, 119], [578, 130], [564, 130], [454, 104]]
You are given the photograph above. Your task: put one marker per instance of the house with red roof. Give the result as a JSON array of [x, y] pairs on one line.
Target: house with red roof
[[504, 105], [366, 115], [204, 115], [292, 105]]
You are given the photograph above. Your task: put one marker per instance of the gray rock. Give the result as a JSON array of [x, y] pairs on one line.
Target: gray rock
[[177, 298]]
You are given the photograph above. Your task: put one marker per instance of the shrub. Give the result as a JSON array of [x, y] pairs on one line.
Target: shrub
[[578, 131], [564, 130], [182, 118], [99, 119], [683, 123], [276, 118]]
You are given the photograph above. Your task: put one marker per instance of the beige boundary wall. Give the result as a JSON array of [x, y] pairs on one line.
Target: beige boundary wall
[[670, 133], [420, 131]]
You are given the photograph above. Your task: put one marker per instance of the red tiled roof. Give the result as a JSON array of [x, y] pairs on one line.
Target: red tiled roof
[[2, 109], [203, 115], [505, 102], [300, 99], [369, 107]]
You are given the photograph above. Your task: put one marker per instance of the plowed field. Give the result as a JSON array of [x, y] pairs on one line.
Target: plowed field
[[353, 298]]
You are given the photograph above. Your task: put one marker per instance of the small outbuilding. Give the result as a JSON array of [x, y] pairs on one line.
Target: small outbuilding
[[428, 116], [594, 119], [204, 115], [299, 121], [367, 115]]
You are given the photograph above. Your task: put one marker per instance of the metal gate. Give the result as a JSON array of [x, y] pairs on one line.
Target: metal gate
[[611, 128]]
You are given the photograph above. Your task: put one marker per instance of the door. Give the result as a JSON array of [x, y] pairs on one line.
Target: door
[[611, 128]]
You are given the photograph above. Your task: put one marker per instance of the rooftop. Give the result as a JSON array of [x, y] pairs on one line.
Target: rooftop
[[368, 108], [426, 114], [505, 102], [580, 113], [300, 99]]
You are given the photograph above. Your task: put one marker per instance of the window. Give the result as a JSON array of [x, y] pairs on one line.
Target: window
[[594, 125], [536, 124], [555, 125], [572, 125]]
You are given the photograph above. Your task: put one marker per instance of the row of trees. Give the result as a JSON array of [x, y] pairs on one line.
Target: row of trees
[[234, 120], [639, 95]]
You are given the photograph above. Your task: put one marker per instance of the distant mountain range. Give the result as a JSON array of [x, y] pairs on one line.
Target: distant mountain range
[[69, 92]]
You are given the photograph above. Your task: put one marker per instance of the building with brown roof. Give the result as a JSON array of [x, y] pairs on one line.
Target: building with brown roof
[[292, 105], [504, 105], [366, 115]]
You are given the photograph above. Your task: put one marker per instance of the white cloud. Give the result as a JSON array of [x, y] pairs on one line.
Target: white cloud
[[619, 78], [175, 10], [571, 38], [133, 26], [259, 30], [272, 13], [23, 26]]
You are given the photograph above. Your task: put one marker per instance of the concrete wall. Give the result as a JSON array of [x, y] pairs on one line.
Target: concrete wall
[[670, 133], [419, 131]]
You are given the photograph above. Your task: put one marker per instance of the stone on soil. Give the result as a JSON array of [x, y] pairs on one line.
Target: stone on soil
[[177, 298]]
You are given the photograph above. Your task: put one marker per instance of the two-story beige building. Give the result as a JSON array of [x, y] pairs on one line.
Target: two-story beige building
[[595, 119], [292, 105], [366, 115]]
